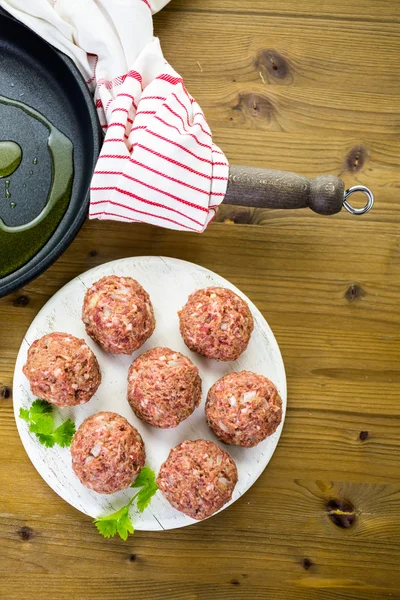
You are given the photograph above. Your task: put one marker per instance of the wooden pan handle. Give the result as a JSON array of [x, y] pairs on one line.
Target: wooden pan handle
[[266, 188]]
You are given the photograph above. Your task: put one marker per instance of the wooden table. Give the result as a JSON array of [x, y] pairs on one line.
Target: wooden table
[[301, 85]]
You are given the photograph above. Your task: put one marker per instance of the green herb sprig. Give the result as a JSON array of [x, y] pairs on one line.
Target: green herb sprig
[[120, 522], [41, 423]]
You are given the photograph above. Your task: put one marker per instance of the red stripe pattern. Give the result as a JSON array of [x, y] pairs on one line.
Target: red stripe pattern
[[158, 163]]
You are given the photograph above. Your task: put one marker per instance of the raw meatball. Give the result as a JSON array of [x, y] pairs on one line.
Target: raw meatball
[[107, 453], [118, 314], [243, 408], [198, 478], [216, 323], [164, 387], [62, 369]]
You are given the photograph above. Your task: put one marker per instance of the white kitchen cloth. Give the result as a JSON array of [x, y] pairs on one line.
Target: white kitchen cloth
[[158, 163]]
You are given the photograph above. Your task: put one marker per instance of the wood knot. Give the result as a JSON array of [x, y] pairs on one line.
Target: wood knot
[[93, 252], [21, 301], [307, 563], [132, 558], [274, 65], [25, 533], [363, 435], [255, 106], [5, 392], [356, 158], [235, 582], [239, 214], [354, 292], [341, 513]]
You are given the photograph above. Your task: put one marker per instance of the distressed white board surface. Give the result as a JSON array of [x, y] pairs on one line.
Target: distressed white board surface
[[169, 282]]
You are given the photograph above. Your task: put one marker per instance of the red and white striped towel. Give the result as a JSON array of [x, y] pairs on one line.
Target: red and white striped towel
[[158, 163]]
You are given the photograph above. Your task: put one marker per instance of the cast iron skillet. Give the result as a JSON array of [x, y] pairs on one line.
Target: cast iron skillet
[[37, 74]]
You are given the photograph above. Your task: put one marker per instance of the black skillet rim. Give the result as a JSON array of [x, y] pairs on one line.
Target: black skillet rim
[[50, 252]]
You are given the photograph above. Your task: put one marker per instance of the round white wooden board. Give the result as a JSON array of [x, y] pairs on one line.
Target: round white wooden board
[[169, 282]]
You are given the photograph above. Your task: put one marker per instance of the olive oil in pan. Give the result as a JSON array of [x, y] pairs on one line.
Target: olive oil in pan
[[20, 243], [10, 158], [8, 193]]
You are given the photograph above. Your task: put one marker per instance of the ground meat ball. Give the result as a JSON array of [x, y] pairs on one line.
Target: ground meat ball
[[243, 408], [118, 314], [62, 369], [198, 478], [216, 323], [107, 453], [164, 387]]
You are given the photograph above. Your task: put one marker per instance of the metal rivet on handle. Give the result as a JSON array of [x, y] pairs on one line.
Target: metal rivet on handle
[[363, 190]]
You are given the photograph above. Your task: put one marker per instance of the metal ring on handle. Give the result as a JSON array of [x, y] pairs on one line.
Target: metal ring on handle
[[353, 190]]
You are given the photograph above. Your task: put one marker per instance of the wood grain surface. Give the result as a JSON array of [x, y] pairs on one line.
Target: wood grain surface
[[298, 85]]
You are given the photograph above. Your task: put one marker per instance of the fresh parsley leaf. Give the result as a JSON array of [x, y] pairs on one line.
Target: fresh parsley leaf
[[145, 477], [24, 414], [145, 495], [147, 481], [125, 526], [41, 423], [40, 407], [115, 516], [107, 527], [46, 440], [64, 433], [120, 522]]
